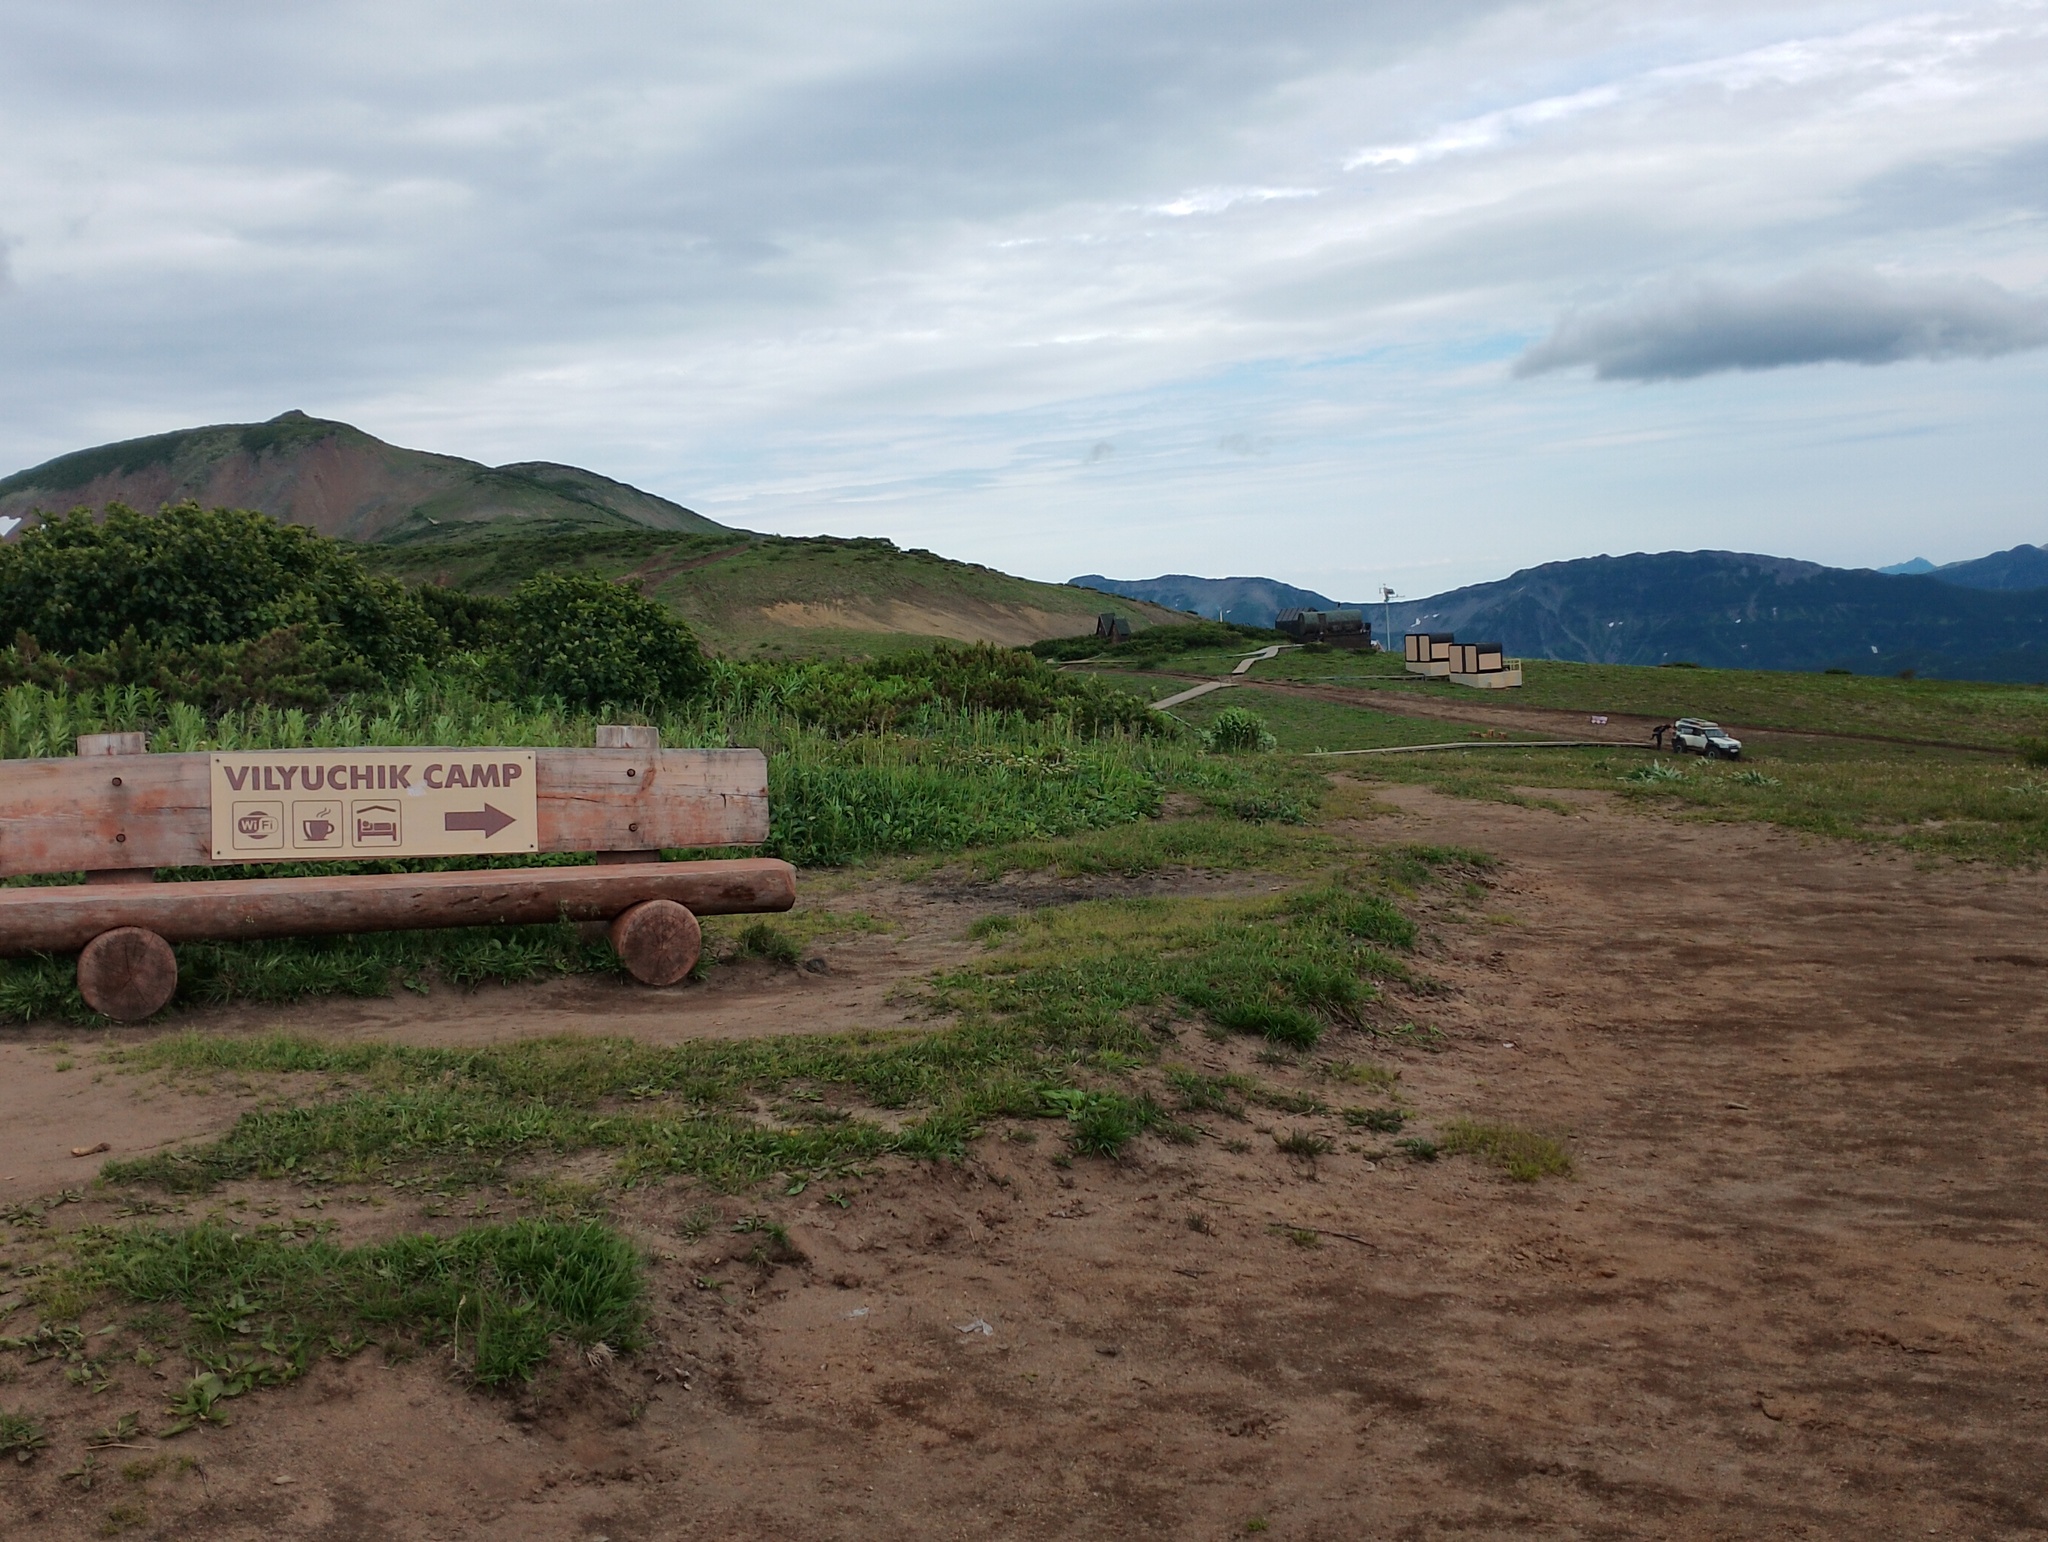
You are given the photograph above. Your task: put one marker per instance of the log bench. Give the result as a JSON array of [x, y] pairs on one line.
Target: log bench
[[118, 813]]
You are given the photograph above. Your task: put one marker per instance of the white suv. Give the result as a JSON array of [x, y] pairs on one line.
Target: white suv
[[1704, 738]]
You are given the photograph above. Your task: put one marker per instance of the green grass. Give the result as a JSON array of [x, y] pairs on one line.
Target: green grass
[[768, 595], [1931, 802], [1523, 1154], [262, 1306], [1062, 997], [1203, 845], [1089, 974], [293, 968], [1965, 712]]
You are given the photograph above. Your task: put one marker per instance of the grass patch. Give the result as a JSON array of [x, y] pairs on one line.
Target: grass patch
[[293, 968], [262, 1306], [1073, 989], [1524, 1155], [1933, 802], [1381, 1121], [1204, 845], [1995, 716], [1103, 1123], [1082, 974]]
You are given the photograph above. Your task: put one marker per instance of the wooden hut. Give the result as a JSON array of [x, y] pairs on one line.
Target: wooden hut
[[1484, 665], [1429, 653]]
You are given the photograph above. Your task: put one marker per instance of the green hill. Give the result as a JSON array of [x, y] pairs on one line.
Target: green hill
[[336, 479], [754, 594]]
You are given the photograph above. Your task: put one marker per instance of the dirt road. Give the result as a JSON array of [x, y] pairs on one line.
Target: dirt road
[[1797, 1287]]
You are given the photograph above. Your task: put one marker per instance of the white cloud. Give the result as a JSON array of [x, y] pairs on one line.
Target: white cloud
[[1214, 200]]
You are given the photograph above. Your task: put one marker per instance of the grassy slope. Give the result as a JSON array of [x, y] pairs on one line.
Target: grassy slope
[[841, 595], [1924, 798], [1962, 712], [265, 466]]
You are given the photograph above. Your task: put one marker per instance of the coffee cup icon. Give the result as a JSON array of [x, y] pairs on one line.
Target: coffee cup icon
[[317, 830]]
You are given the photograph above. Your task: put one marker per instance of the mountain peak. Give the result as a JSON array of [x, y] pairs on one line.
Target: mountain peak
[[335, 478]]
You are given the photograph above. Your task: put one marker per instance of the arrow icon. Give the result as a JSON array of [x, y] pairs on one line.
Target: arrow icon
[[487, 819]]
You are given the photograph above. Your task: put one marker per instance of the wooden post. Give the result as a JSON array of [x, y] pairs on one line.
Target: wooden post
[[630, 736], [127, 973], [658, 941], [92, 745]]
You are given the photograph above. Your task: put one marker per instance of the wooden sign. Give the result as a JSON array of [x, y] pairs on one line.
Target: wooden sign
[[140, 811], [118, 812], [329, 805]]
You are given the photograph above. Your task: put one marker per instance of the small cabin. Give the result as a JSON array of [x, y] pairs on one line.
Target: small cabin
[[1484, 665], [1111, 627], [1477, 658], [1429, 653]]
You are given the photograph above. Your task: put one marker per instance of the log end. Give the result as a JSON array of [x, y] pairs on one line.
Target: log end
[[658, 941], [127, 974]]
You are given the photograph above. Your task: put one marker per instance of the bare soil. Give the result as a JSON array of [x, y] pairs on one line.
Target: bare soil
[[1798, 1285]]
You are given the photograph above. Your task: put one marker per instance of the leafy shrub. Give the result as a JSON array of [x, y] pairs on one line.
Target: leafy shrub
[[1381, 1121], [20, 1436], [1235, 730], [473, 622], [292, 666], [899, 692], [1655, 774], [190, 577], [595, 643]]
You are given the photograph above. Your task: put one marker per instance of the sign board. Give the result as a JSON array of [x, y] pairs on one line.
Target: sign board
[[314, 805]]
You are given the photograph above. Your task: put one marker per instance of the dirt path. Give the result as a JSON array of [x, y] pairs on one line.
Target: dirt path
[[1798, 1287]]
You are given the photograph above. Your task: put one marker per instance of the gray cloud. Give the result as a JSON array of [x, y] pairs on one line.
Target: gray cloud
[[917, 258], [1685, 328]]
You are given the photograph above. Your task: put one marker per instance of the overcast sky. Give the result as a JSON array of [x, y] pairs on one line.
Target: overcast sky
[[1342, 293]]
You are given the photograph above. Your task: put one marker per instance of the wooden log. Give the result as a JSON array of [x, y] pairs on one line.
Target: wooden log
[[127, 973], [106, 812], [63, 920], [658, 941]]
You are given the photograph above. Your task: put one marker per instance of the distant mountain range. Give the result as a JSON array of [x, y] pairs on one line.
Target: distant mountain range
[[1247, 601], [2021, 567], [1985, 619], [1738, 610], [335, 478]]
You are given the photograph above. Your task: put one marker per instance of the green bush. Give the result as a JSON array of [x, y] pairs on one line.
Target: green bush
[[1234, 730], [903, 691], [190, 577], [594, 643], [473, 622], [292, 666]]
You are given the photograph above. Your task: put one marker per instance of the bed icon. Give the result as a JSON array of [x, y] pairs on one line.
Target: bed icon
[[374, 824]]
